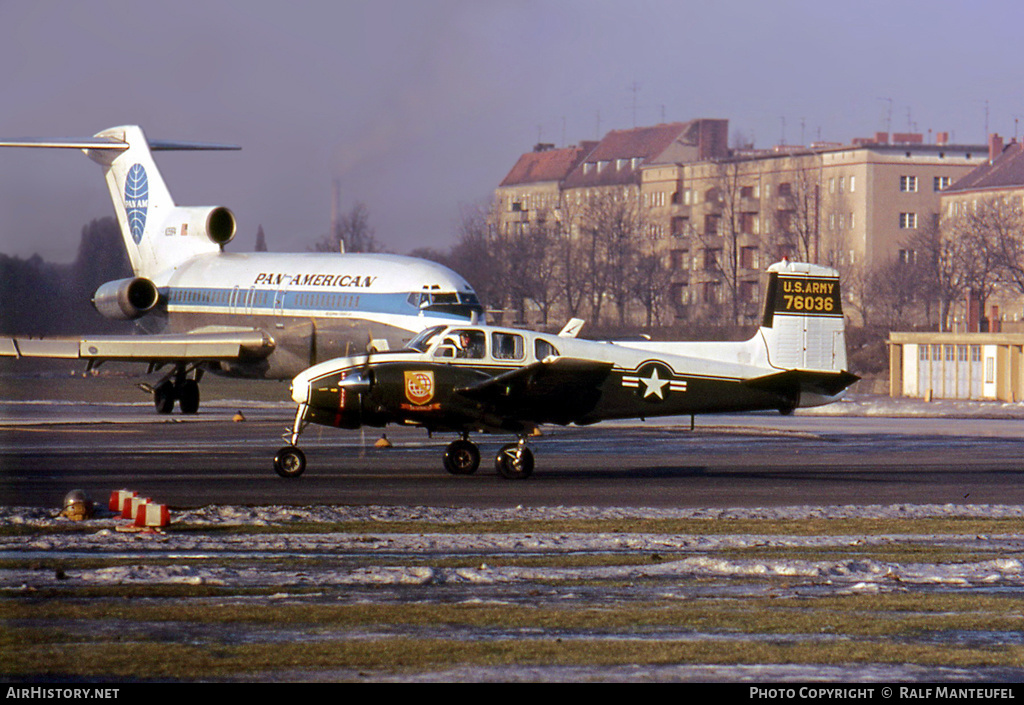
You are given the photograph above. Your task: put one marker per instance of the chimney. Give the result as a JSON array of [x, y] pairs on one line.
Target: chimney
[[973, 313], [995, 324], [995, 147], [942, 138]]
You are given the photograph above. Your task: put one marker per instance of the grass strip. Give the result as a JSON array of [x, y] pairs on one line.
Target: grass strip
[[182, 661], [865, 615]]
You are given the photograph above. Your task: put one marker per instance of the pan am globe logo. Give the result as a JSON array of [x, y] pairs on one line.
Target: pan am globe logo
[[136, 200]]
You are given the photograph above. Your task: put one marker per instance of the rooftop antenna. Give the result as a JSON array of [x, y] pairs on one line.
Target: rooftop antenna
[[888, 115], [782, 139], [986, 117], [634, 88]]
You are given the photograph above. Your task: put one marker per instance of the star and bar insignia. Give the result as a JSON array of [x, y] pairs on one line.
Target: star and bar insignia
[[653, 382]]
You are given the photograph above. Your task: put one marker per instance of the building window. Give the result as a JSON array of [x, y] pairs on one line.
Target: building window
[[748, 258], [941, 183], [908, 184], [748, 291], [712, 255], [712, 292], [681, 293], [853, 183], [908, 221]]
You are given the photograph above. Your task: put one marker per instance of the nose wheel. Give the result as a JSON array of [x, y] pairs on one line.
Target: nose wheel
[[515, 461], [290, 461]]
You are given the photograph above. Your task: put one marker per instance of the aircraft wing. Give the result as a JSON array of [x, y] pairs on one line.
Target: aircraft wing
[[144, 348], [556, 390]]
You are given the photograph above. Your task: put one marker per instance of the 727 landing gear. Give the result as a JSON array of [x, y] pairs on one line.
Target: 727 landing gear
[[462, 457], [177, 387], [515, 461], [290, 461]]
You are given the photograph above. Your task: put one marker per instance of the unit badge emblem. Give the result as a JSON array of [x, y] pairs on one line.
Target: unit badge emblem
[[419, 387]]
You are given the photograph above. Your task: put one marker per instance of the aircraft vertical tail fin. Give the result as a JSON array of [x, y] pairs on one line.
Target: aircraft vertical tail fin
[[803, 326], [158, 235]]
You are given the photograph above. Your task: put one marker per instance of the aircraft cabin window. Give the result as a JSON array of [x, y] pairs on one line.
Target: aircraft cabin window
[[543, 349], [507, 346]]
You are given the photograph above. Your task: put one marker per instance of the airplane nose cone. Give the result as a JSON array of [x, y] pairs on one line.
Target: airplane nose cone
[[300, 391]]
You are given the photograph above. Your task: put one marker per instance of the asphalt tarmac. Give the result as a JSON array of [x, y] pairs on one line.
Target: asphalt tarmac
[[49, 448]]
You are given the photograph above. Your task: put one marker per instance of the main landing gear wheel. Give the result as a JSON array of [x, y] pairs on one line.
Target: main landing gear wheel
[[163, 397], [180, 389], [289, 462], [188, 396], [461, 457], [514, 462]]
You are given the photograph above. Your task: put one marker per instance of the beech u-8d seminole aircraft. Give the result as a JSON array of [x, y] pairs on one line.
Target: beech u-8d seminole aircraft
[[260, 315], [472, 379]]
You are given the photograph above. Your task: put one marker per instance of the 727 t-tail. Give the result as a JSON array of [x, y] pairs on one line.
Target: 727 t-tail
[[482, 379]]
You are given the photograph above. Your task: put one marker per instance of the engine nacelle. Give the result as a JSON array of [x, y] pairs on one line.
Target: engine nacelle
[[126, 299], [215, 223]]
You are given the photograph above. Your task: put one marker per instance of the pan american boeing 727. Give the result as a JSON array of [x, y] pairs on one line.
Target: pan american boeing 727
[[480, 379], [260, 315]]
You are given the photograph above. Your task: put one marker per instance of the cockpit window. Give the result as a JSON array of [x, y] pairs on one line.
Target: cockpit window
[[543, 349], [456, 303], [463, 343], [422, 341]]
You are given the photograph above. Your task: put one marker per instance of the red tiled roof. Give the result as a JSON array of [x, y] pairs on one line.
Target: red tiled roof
[[700, 139], [1006, 170], [549, 165]]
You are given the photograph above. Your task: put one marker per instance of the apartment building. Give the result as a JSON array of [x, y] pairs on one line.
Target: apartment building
[[718, 217], [989, 203], [853, 207]]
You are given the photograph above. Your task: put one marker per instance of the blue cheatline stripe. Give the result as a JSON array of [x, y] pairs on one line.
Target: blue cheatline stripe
[[293, 302]]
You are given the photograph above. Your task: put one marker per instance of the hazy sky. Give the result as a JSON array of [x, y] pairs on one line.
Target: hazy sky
[[420, 107]]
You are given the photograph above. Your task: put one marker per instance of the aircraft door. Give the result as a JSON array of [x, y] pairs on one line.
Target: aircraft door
[[279, 297]]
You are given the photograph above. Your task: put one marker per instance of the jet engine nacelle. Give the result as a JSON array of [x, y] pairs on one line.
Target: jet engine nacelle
[[126, 299], [215, 223]]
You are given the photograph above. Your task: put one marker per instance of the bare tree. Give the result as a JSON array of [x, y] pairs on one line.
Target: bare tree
[[799, 220], [723, 229], [611, 229], [651, 285], [352, 233], [938, 266], [977, 234]]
